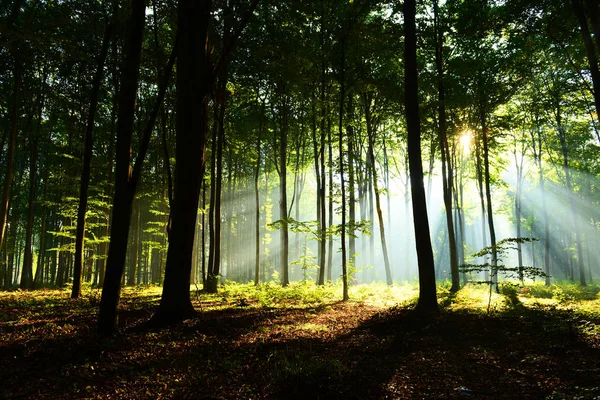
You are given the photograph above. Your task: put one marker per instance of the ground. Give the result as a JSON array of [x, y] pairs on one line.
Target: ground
[[262, 346]]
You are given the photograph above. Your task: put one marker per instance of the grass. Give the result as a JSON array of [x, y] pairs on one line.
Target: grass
[[302, 342]]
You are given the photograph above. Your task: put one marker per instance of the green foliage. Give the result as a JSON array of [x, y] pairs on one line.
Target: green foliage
[[502, 249]]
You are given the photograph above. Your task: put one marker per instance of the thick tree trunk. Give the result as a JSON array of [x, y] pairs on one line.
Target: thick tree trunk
[[427, 302], [194, 84]]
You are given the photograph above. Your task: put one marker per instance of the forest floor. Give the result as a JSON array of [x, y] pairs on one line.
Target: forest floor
[[267, 343]]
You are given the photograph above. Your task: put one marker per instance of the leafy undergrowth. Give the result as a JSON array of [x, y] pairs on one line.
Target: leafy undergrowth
[[301, 342]]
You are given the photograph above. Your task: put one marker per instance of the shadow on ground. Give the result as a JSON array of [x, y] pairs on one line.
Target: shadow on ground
[[340, 350]]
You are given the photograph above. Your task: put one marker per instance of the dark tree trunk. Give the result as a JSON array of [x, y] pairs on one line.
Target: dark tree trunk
[[283, 232], [488, 197], [14, 118], [427, 302], [257, 204], [341, 161], [87, 160], [214, 267], [124, 192], [590, 49], [480, 190], [351, 186], [194, 84], [447, 172], [27, 281]]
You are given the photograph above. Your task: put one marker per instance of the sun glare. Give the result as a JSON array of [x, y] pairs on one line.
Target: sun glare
[[465, 141]]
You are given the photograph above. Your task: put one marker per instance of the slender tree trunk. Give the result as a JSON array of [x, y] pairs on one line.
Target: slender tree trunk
[[126, 179], [330, 203], [341, 156], [27, 281], [488, 196], [87, 160], [427, 302], [371, 137], [447, 172], [214, 267], [284, 238], [566, 170], [38, 281], [14, 119], [351, 186], [257, 203], [481, 192]]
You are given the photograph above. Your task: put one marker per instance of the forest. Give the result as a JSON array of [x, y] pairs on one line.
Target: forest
[[300, 199]]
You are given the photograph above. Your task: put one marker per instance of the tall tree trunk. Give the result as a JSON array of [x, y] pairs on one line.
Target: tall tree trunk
[[257, 202], [519, 166], [320, 179], [87, 160], [566, 171], [194, 85], [480, 190], [122, 204], [447, 172], [330, 203], [27, 281], [427, 302], [341, 156], [351, 186], [38, 280], [14, 119], [214, 267], [283, 232], [488, 196], [371, 138]]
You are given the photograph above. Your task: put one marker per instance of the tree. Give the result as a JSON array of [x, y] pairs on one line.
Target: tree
[[427, 291], [87, 159]]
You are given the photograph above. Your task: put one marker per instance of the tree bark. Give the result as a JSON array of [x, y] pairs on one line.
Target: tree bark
[[427, 302], [447, 172], [341, 161], [14, 120], [194, 85], [87, 160], [283, 232]]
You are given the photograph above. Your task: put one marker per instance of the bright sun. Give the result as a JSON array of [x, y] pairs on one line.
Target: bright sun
[[465, 141]]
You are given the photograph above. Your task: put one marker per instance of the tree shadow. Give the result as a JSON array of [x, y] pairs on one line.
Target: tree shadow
[[293, 353]]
